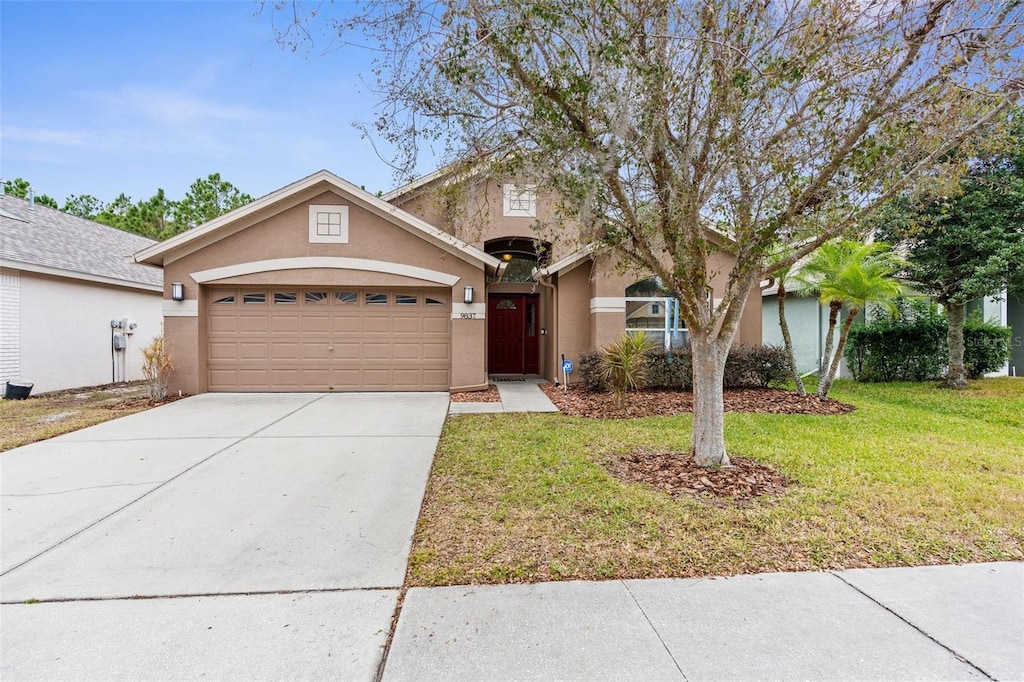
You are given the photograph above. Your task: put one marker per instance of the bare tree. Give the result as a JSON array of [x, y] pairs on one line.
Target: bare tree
[[658, 122]]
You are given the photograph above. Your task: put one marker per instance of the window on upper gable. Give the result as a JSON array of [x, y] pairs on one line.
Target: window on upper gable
[[328, 224], [519, 201]]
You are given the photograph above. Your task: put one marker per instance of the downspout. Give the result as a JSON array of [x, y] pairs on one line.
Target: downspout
[[544, 279]]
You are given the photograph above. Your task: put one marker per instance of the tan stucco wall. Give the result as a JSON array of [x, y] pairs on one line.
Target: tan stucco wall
[[481, 218], [286, 235], [65, 331]]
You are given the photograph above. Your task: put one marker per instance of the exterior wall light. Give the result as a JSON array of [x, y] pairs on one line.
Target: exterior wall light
[[468, 295], [177, 291]]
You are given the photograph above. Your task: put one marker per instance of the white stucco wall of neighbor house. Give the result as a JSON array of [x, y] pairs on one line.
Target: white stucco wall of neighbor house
[[66, 333]]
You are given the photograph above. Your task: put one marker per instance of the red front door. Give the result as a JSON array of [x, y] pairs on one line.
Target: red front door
[[512, 346]]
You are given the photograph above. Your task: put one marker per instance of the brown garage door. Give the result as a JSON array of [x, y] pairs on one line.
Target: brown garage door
[[328, 339]]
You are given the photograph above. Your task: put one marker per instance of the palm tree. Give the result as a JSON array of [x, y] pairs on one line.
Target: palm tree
[[851, 275], [782, 277]]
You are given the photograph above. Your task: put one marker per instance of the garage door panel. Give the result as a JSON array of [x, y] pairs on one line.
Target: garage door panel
[[435, 351], [253, 379], [377, 325], [223, 350], [284, 350], [285, 379], [376, 350], [408, 325], [254, 324], [347, 324], [346, 351], [376, 378], [253, 350], [339, 345], [316, 350], [316, 324], [406, 351], [223, 324], [436, 379]]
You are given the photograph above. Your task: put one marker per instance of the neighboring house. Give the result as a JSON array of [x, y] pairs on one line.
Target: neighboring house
[[808, 325], [1006, 309], [322, 286], [63, 280]]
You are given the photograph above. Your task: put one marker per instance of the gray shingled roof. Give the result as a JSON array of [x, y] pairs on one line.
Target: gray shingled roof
[[46, 237]]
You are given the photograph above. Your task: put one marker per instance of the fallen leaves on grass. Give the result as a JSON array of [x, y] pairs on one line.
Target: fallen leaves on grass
[[488, 395], [663, 403], [677, 474]]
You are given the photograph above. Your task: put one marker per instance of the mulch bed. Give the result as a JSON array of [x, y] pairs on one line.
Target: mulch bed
[[677, 474], [142, 402], [488, 395], [663, 403]]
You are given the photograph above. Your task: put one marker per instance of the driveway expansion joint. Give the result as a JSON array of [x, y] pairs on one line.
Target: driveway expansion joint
[[201, 595], [958, 656], [658, 634]]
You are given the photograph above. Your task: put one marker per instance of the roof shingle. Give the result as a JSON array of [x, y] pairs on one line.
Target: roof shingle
[[46, 237]]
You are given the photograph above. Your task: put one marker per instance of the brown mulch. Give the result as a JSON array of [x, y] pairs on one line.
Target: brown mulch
[[677, 474], [663, 403], [142, 402], [488, 395]]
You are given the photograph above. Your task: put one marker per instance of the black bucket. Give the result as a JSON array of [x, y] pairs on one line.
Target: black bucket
[[17, 390]]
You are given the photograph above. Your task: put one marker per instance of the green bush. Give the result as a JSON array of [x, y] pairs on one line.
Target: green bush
[[911, 347], [590, 371], [670, 369], [761, 366], [986, 347]]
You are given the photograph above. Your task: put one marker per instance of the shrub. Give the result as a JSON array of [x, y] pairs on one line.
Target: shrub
[[910, 347], [157, 367], [986, 347], [624, 364], [913, 347], [670, 369], [760, 366], [590, 371]]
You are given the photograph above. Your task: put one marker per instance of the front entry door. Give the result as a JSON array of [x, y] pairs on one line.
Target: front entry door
[[512, 346]]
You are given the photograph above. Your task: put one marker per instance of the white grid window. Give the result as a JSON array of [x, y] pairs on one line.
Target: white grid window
[[519, 201], [328, 224]]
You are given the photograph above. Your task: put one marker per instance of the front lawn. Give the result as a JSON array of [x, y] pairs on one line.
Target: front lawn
[[52, 414], [915, 475]]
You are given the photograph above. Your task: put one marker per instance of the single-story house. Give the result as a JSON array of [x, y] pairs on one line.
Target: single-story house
[[322, 286], [808, 325], [65, 282]]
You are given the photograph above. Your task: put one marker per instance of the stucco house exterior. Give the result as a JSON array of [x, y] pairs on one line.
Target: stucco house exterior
[[63, 281], [322, 286]]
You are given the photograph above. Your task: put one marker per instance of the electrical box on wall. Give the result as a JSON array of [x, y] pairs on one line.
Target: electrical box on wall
[[120, 342]]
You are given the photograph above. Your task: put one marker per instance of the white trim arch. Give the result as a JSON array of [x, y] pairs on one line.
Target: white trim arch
[[328, 262]]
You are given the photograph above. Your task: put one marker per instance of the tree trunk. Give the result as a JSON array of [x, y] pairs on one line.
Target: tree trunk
[[787, 339], [956, 377], [826, 360], [708, 401], [833, 368]]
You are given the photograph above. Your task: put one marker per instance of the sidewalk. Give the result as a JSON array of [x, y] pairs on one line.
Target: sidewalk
[[936, 622], [516, 396]]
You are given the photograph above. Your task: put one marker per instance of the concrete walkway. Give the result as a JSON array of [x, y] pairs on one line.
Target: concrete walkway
[[516, 396], [930, 623]]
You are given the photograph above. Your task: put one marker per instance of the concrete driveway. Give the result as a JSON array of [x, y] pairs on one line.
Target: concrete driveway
[[222, 532]]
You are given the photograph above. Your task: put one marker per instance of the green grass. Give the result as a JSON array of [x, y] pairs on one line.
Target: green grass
[[916, 475], [52, 414]]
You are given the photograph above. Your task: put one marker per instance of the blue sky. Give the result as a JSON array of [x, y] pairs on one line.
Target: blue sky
[[107, 97]]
